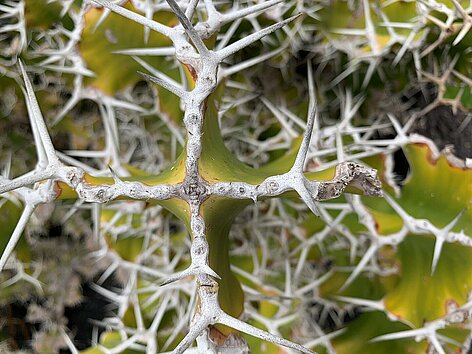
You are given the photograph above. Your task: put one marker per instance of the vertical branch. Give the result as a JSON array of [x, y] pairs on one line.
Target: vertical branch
[[38, 120]]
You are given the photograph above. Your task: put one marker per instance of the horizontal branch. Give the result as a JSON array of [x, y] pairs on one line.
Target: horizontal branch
[[349, 177]]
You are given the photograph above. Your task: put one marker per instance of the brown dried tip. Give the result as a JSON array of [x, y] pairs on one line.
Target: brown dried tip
[[354, 175]]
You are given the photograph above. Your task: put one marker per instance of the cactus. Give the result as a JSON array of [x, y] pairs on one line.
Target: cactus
[[213, 167]]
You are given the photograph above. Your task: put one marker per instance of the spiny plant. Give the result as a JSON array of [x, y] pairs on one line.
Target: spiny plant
[[197, 186], [364, 275]]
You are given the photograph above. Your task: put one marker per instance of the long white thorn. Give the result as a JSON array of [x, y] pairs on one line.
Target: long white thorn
[[191, 7], [376, 305], [399, 130], [366, 258], [234, 15], [38, 119], [339, 146], [70, 70], [454, 222], [191, 271], [244, 42], [165, 84], [15, 237], [307, 197], [155, 26], [438, 244], [225, 72], [400, 335], [25, 180], [312, 112], [195, 330], [435, 342], [189, 29], [441, 238], [42, 157], [106, 12], [466, 22], [404, 48], [280, 117], [159, 51], [465, 29], [259, 333]]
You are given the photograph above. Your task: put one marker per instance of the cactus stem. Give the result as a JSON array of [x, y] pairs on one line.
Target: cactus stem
[[244, 42]]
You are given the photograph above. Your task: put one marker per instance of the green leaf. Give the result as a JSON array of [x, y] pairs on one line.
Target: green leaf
[[358, 333], [438, 191], [419, 296]]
